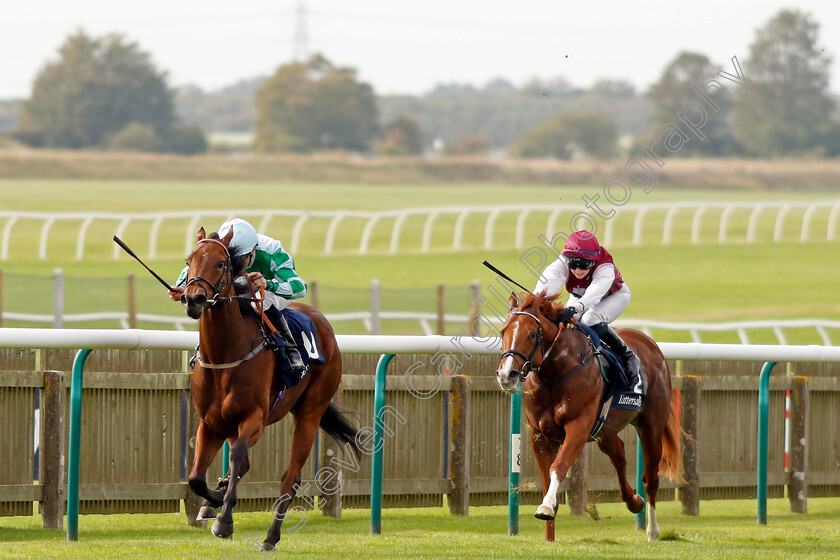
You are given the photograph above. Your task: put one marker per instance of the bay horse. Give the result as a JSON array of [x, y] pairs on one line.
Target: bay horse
[[235, 388], [562, 394]]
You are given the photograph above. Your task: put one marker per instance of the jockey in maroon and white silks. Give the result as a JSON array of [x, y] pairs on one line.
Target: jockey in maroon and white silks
[[597, 292], [601, 295]]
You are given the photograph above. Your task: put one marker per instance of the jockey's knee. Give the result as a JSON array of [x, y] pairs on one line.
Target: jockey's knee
[[591, 318]]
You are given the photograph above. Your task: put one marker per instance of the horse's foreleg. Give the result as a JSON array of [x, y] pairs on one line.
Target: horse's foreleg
[[306, 429], [207, 444], [613, 447], [652, 450], [577, 432], [250, 431], [545, 451]]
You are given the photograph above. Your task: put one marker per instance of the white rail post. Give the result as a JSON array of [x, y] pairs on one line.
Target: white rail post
[[375, 305], [58, 298]]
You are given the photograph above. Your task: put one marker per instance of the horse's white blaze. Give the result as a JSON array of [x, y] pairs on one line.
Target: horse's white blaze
[[506, 366], [652, 525], [550, 498], [504, 371]]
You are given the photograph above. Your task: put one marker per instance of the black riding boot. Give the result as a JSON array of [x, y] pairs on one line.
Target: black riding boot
[[286, 339], [617, 345]]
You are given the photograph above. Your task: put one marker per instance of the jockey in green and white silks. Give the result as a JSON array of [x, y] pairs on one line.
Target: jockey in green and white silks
[[269, 267], [282, 283]]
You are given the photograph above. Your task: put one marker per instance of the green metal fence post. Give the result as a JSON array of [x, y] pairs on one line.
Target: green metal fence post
[[515, 461], [763, 421], [225, 459], [74, 451], [376, 468], [640, 487]]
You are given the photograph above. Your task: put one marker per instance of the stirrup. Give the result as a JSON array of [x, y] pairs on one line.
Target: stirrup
[[295, 367]]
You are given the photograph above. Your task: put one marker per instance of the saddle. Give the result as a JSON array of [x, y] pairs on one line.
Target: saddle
[[619, 392], [306, 341]]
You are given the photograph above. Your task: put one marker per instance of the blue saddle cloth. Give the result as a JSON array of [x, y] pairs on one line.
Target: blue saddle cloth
[[624, 395], [306, 340]]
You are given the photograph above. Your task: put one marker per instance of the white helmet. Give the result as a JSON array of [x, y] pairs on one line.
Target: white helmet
[[244, 236]]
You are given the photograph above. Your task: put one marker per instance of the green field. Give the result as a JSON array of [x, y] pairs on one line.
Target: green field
[[724, 530], [680, 282]]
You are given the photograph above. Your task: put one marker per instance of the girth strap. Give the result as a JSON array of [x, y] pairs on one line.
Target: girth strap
[[250, 355]]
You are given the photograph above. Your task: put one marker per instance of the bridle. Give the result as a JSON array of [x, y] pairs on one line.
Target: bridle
[[214, 291], [527, 368], [538, 345]]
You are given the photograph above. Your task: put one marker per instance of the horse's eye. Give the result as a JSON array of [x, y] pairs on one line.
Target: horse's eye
[[220, 265], [532, 336]]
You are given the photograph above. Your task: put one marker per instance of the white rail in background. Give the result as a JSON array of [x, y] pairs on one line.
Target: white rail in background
[[337, 228]]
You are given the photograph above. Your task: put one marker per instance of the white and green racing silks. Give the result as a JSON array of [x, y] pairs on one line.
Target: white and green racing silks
[[276, 266], [278, 269]]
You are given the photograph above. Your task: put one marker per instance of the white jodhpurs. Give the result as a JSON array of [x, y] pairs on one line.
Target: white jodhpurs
[[605, 311]]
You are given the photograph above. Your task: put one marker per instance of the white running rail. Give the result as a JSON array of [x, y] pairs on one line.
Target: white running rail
[[786, 216], [428, 321]]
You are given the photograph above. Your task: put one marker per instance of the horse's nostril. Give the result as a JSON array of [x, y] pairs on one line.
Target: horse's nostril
[[200, 299]]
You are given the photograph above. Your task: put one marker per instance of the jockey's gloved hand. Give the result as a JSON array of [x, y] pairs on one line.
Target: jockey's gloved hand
[[565, 315]]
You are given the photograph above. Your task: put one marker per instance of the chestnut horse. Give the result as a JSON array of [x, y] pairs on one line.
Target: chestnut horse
[[235, 388], [562, 393]]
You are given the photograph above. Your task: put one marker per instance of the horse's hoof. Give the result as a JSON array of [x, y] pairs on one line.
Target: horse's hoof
[[545, 513], [206, 513], [221, 529], [638, 504], [268, 547]]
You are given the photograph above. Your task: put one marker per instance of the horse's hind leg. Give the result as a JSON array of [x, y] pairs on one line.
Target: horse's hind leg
[[207, 445], [250, 431], [306, 429], [652, 451], [613, 447]]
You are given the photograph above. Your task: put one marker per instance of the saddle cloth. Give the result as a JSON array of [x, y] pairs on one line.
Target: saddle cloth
[[619, 393], [306, 340]]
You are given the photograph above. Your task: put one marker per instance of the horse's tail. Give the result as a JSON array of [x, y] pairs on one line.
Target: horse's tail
[[671, 464], [335, 423]]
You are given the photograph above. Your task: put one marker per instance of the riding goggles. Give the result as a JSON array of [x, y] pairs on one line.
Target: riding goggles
[[579, 263]]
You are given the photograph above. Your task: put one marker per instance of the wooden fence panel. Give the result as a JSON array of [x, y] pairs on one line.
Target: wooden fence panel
[[17, 434], [415, 431], [132, 438], [824, 440], [131, 426]]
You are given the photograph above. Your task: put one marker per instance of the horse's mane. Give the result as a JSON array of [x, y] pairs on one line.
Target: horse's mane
[[547, 305]]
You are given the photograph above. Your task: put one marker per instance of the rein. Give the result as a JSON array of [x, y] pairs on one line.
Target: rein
[[533, 371], [216, 291]]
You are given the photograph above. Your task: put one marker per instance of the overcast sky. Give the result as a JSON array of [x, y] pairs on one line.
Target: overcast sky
[[403, 47]]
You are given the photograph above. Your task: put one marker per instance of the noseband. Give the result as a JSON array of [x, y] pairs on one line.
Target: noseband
[[526, 366], [213, 291]]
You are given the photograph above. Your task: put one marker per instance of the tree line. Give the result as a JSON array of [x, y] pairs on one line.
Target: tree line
[[106, 93]]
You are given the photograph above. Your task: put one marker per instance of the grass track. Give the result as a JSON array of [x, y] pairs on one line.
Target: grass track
[[725, 529]]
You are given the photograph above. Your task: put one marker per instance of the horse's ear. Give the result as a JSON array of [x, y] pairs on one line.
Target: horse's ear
[[226, 239], [200, 235], [513, 301]]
